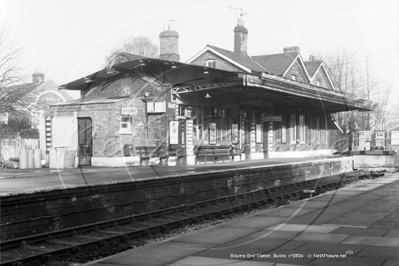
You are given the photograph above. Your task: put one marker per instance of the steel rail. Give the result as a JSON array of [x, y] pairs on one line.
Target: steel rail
[[109, 233]]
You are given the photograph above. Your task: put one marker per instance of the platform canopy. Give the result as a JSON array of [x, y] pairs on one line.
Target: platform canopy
[[253, 88]]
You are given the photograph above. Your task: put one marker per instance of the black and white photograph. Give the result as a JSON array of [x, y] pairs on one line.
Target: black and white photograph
[[199, 133]]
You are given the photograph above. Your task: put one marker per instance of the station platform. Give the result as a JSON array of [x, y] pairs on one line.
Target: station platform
[[15, 181], [356, 225]]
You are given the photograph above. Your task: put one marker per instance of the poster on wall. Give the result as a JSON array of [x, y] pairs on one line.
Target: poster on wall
[[258, 128], [234, 133], [380, 138], [365, 138], [394, 137], [174, 132], [212, 133], [283, 134]]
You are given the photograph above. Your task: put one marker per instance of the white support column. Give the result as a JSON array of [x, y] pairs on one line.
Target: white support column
[[189, 142], [270, 137]]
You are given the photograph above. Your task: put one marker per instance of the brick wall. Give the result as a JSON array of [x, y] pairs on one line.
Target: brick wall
[[107, 139], [298, 72], [320, 75], [35, 213]]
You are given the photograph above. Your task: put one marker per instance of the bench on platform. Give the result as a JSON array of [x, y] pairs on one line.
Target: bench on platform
[[179, 151], [212, 153], [148, 152], [237, 151]]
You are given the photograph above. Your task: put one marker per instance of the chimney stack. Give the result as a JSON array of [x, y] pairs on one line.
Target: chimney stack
[[240, 38], [169, 43], [292, 49], [37, 78]]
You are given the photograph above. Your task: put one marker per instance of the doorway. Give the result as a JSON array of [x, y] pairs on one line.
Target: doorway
[[85, 141]]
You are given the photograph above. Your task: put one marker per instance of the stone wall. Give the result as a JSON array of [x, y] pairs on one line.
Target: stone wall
[[35, 213]]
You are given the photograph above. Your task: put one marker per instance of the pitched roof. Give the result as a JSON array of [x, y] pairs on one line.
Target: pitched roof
[[238, 59], [312, 67], [50, 85], [244, 60], [31, 90], [276, 63]]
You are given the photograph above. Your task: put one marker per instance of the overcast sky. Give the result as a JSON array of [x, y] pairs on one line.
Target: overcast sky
[[68, 39]]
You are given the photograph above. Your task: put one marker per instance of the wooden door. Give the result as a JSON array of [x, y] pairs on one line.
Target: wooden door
[[85, 140]]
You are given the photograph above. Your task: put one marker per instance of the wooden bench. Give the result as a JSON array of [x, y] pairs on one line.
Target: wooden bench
[[179, 151], [148, 152], [210, 153], [237, 151]]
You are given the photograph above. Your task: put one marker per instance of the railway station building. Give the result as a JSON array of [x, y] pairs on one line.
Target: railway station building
[[264, 106]]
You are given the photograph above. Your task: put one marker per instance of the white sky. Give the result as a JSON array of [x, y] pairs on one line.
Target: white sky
[[68, 39]]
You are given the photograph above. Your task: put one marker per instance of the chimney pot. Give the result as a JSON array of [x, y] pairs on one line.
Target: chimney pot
[[37, 78], [292, 49]]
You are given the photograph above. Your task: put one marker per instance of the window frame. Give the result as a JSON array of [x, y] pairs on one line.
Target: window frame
[[128, 128], [210, 63]]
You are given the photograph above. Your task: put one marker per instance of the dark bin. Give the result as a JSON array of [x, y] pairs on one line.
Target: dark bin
[[128, 150]]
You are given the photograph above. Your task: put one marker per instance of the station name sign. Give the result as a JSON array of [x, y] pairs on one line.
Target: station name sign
[[274, 118], [129, 110]]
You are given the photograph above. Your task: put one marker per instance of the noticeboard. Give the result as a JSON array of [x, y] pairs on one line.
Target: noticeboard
[[212, 133], [234, 134], [258, 135], [379, 138], [394, 137], [365, 138], [174, 132]]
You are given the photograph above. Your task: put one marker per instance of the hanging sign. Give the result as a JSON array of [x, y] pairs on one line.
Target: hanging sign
[[212, 133], [174, 132], [276, 118]]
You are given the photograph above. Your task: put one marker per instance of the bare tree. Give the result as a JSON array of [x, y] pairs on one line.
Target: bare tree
[[140, 45], [13, 99], [356, 80]]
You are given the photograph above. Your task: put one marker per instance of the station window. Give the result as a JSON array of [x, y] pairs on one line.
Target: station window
[[126, 124], [211, 63], [292, 129], [293, 77], [318, 82]]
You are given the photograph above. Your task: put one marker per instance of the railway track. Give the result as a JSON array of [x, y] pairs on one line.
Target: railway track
[[102, 239]]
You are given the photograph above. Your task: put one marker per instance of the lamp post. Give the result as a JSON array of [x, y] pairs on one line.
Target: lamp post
[[145, 100]]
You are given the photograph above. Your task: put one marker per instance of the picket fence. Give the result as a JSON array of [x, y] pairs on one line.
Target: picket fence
[[11, 145]]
